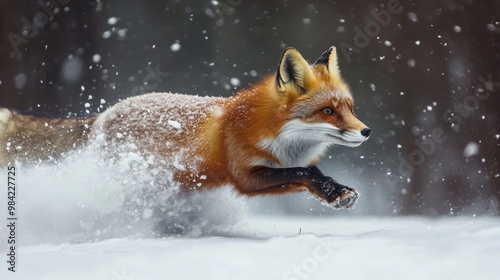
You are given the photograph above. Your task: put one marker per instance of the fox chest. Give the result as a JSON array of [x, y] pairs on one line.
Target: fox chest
[[293, 153]]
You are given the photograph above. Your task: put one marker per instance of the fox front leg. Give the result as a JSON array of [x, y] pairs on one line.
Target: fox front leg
[[283, 180]]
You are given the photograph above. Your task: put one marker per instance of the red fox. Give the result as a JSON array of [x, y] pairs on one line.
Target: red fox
[[265, 140]]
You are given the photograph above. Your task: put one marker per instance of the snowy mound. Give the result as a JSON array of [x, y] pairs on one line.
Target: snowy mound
[[88, 196], [284, 248]]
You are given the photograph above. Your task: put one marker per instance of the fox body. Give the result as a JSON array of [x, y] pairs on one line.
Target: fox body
[[267, 139]]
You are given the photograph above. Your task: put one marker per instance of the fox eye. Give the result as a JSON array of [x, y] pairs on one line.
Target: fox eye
[[328, 111]]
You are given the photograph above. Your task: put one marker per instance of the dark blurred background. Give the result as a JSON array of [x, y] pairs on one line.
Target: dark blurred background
[[425, 76]]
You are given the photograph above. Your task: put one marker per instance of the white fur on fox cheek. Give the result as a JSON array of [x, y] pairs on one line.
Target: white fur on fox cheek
[[300, 143]]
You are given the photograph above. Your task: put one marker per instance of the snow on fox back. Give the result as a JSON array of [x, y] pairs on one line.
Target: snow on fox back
[[154, 124]]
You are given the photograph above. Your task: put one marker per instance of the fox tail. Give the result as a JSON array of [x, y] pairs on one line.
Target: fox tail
[[31, 139]]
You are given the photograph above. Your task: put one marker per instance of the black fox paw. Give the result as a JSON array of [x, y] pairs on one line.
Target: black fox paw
[[344, 197], [339, 196]]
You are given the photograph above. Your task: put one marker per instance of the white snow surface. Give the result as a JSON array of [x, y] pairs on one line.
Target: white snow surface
[[283, 248]]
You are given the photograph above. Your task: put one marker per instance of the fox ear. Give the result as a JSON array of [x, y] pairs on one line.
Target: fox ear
[[329, 59], [293, 72]]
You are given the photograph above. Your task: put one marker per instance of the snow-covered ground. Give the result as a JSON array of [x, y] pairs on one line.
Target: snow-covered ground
[[266, 247]]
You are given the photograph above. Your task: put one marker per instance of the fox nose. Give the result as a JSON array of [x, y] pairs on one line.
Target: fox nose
[[366, 132]]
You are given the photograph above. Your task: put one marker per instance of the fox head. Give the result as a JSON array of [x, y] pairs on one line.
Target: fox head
[[319, 106]]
